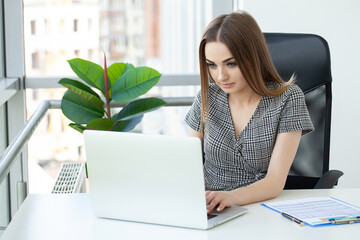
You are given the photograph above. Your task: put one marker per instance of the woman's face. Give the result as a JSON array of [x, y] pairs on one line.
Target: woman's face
[[223, 69]]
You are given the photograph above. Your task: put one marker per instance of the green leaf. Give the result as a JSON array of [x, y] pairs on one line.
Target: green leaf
[[78, 127], [78, 109], [127, 125], [101, 124], [134, 83], [117, 69], [91, 73], [82, 90], [139, 107]]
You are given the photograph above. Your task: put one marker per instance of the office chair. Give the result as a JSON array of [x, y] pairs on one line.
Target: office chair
[[308, 56]]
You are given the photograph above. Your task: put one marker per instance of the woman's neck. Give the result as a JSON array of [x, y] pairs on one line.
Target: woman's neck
[[245, 98]]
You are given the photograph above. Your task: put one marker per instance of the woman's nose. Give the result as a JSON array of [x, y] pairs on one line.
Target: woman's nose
[[222, 74]]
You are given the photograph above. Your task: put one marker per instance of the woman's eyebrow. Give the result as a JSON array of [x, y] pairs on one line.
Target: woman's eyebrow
[[228, 59]]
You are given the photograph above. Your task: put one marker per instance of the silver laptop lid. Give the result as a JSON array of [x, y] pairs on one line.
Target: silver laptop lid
[[154, 179]]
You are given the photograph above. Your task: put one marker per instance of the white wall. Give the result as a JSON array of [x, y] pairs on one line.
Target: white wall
[[339, 23]]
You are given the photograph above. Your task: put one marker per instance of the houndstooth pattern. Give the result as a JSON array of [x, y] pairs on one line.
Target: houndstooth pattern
[[232, 162]]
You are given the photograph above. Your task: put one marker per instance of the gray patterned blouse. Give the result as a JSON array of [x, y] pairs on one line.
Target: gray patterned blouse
[[232, 162]]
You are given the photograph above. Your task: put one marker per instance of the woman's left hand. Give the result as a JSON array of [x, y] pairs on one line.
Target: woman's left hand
[[220, 200]]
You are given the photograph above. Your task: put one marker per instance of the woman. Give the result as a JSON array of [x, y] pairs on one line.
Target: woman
[[249, 120]]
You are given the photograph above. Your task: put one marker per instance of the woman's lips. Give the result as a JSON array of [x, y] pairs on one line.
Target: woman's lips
[[226, 85]]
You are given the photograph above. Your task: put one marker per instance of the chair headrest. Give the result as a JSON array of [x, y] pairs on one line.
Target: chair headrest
[[305, 55]]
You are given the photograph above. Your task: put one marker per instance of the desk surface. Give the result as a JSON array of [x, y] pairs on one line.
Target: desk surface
[[69, 216]]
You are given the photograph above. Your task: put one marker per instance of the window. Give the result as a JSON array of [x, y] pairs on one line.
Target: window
[[90, 25], [119, 45], [160, 25], [48, 27], [155, 33], [35, 60], [76, 53], [49, 60], [76, 25], [62, 26], [33, 27], [138, 41], [90, 54], [12, 106], [118, 23], [117, 3]]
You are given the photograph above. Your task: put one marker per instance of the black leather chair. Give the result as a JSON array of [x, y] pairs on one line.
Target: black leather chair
[[308, 56]]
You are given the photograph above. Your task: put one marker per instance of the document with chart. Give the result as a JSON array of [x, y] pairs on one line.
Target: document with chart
[[318, 210]]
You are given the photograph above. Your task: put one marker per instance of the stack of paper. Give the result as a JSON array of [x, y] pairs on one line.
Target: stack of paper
[[318, 211]]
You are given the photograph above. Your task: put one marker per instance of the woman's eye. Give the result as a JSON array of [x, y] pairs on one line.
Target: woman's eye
[[211, 65], [231, 64]]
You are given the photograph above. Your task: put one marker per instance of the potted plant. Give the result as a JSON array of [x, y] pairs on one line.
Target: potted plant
[[121, 82]]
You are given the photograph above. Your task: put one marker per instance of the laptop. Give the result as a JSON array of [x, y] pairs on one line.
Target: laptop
[[149, 178]]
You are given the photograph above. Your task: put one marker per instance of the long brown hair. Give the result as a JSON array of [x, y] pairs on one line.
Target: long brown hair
[[244, 39]]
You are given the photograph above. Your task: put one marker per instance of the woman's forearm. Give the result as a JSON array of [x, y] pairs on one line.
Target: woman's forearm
[[261, 190]]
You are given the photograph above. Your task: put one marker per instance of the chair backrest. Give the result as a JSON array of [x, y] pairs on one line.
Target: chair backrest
[[308, 57]]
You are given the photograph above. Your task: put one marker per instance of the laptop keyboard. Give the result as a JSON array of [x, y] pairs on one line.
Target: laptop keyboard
[[210, 216]]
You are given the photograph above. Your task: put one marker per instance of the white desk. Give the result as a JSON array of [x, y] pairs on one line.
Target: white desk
[[50, 216]]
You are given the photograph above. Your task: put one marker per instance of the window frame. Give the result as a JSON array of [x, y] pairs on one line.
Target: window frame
[[13, 101]]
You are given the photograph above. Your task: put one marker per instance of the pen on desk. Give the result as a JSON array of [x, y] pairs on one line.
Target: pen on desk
[[294, 219], [344, 220]]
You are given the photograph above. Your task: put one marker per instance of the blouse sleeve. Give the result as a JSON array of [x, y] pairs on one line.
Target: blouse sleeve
[[193, 117], [295, 115]]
